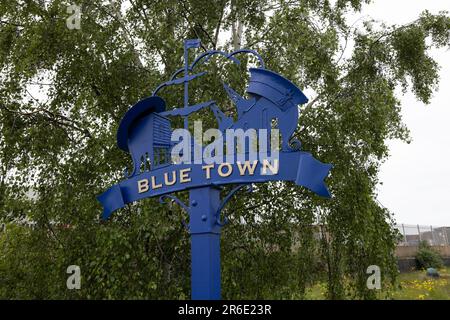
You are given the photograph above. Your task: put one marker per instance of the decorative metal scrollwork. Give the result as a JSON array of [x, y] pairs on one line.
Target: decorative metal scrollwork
[[225, 201], [180, 203]]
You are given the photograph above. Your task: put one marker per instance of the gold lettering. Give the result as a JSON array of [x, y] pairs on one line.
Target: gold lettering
[[184, 175], [268, 165], [229, 171], [166, 179], [208, 168], [142, 185], [154, 185], [247, 167]]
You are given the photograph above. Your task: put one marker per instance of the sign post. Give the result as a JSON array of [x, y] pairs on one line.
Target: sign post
[[163, 164], [205, 243]]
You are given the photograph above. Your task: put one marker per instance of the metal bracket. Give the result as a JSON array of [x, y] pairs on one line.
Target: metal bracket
[[295, 144], [180, 203], [225, 201]]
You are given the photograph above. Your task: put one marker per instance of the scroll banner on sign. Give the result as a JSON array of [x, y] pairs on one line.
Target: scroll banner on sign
[[299, 167]]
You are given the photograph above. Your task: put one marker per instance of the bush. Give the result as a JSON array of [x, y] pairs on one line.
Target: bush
[[427, 257]]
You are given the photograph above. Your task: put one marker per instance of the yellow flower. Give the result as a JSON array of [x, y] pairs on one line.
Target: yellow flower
[[421, 296]]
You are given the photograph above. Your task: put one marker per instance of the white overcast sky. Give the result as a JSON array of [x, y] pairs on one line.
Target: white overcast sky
[[416, 177]]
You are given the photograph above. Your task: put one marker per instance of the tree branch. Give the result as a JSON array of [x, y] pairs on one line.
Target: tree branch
[[196, 24], [216, 35]]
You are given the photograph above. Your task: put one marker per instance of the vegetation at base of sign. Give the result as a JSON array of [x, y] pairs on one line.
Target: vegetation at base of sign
[[63, 92], [426, 257]]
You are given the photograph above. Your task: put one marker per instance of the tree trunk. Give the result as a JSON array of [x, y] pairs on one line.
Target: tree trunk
[[237, 28]]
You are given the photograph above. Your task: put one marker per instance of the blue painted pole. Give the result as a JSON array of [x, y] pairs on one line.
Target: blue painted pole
[[186, 84], [205, 243]]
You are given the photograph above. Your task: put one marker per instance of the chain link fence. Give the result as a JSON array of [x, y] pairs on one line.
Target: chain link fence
[[433, 235]]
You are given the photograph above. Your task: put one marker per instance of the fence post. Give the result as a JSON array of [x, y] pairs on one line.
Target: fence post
[[445, 235], [404, 234], [418, 229], [432, 236]]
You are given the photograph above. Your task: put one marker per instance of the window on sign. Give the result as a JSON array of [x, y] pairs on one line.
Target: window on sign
[[145, 162]]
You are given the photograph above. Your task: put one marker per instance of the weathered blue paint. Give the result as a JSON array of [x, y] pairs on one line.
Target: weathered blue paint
[[145, 131]]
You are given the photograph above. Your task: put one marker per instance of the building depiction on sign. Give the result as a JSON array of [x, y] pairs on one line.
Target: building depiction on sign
[[159, 145], [145, 131], [146, 135]]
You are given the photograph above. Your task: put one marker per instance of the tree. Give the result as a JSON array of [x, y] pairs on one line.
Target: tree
[[426, 257], [63, 92]]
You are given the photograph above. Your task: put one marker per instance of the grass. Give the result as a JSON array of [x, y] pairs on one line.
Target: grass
[[412, 286], [417, 286]]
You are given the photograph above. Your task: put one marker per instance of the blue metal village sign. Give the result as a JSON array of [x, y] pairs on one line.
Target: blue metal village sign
[[145, 132]]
